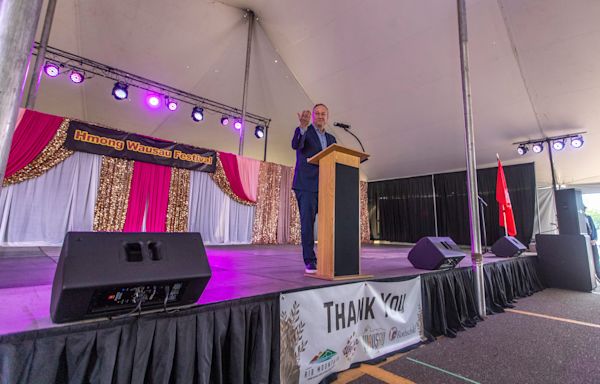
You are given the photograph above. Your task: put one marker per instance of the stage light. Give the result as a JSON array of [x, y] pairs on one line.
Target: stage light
[[522, 149], [259, 132], [224, 120], [153, 100], [51, 69], [537, 147], [119, 91], [171, 104], [558, 144], [76, 77], [237, 125], [577, 141], [197, 114]]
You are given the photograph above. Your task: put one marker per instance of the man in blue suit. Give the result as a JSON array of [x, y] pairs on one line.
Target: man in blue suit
[[309, 139]]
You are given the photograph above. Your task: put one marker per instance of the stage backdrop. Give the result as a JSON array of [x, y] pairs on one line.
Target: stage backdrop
[[404, 210], [128, 182]]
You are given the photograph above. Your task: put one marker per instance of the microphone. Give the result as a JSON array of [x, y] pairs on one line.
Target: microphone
[[341, 125]]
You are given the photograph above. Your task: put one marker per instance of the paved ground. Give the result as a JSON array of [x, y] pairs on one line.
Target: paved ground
[[550, 337]]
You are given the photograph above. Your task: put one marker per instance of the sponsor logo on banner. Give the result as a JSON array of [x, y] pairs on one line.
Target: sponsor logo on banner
[[373, 338], [325, 330], [321, 364]]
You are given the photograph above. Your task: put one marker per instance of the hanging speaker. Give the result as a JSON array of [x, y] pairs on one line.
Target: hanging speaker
[[103, 274], [508, 246], [435, 253]]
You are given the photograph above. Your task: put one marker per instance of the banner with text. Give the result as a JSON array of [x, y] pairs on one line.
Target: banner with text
[[325, 330], [109, 142]]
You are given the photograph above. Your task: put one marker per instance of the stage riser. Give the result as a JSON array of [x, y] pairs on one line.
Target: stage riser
[[236, 341]]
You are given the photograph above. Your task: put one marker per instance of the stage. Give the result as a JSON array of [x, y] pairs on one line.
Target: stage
[[237, 313]]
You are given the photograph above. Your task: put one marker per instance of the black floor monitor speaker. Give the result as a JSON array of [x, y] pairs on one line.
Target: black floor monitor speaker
[[508, 246], [566, 261], [435, 253], [103, 274]]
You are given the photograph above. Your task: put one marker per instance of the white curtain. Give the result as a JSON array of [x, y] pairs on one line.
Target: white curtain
[[40, 211], [219, 219]]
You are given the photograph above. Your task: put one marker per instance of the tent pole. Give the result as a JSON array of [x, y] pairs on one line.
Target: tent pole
[[18, 23], [246, 76], [476, 254], [34, 84]]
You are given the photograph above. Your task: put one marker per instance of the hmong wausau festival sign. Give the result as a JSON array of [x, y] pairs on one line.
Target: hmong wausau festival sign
[[110, 142], [325, 330]]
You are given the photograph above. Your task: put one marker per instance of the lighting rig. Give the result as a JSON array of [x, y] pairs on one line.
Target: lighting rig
[[554, 143], [79, 68]]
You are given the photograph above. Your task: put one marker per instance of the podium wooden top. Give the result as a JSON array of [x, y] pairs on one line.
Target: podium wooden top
[[337, 148]]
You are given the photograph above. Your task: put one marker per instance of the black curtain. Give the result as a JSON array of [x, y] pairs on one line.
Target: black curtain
[[401, 209], [452, 203], [449, 304], [228, 342]]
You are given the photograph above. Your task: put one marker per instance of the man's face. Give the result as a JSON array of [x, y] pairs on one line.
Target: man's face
[[320, 115]]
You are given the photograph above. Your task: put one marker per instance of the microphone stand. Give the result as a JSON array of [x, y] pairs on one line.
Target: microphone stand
[[357, 139], [482, 205]]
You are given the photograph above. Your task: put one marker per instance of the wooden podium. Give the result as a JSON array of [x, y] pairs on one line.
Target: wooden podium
[[338, 249]]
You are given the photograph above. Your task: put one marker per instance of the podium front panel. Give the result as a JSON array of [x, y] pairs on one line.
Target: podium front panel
[[347, 221]]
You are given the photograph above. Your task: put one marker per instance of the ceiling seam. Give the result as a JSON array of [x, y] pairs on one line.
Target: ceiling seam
[[518, 61]]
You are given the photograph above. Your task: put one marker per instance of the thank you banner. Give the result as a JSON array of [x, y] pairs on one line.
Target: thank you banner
[[325, 330], [109, 142]]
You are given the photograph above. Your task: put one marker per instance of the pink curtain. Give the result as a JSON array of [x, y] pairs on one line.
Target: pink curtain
[[230, 166], [249, 169], [33, 133], [149, 185]]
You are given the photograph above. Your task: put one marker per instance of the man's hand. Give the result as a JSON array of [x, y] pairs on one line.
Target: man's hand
[[304, 118], [593, 242]]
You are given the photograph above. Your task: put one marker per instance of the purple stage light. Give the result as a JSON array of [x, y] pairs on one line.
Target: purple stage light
[[237, 125], [171, 104], [153, 101], [224, 120], [51, 69], [76, 77]]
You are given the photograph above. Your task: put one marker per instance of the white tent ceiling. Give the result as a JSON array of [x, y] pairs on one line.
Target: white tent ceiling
[[389, 67]]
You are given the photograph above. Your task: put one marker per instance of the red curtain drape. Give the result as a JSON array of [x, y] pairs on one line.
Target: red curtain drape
[[149, 185], [31, 136], [230, 166]]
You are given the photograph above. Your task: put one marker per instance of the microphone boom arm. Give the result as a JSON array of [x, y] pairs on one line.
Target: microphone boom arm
[[357, 139]]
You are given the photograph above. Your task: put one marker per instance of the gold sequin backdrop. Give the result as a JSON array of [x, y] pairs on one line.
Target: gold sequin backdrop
[[179, 195], [113, 194], [52, 155], [266, 215], [365, 229]]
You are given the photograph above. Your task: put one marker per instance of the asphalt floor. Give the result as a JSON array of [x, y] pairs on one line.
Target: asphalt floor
[[552, 336]]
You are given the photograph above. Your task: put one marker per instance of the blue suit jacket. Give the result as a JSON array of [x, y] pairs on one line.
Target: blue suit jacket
[[306, 176]]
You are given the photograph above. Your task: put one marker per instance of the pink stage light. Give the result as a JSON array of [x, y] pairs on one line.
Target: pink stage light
[[153, 101], [76, 77], [237, 125], [51, 69], [171, 104]]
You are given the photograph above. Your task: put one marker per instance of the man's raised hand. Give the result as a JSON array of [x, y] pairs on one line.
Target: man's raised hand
[[304, 118]]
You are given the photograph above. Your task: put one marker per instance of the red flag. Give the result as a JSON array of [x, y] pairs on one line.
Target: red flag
[[507, 219]]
